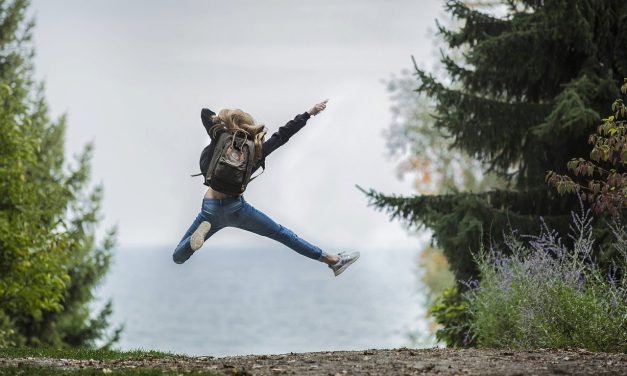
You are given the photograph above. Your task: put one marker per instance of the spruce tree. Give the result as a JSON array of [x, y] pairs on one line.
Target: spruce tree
[[531, 87], [49, 259]]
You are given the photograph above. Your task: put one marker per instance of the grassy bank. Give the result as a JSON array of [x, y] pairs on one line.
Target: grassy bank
[[84, 353], [48, 371], [54, 362]]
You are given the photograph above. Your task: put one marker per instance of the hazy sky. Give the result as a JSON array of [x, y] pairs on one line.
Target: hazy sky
[[132, 77]]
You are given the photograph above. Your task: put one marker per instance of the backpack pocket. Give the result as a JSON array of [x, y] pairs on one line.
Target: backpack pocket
[[230, 173]]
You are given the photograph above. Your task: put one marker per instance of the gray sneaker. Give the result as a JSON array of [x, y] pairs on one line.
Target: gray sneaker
[[345, 261], [198, 237]]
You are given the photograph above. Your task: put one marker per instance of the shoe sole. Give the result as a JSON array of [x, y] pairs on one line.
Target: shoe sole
[[198, 237], [340, 270]]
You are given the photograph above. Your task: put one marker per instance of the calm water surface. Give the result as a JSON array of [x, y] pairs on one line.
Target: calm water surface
[[261, 301]]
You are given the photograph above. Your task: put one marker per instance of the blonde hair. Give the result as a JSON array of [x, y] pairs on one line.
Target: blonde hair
[[236, 119]]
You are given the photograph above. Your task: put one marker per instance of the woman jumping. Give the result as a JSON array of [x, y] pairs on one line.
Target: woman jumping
[[220, 210]]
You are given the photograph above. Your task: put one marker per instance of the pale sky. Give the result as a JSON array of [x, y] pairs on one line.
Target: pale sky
[[132, 77]]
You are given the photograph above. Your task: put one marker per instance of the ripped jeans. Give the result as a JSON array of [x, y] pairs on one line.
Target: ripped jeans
[[236, 212]]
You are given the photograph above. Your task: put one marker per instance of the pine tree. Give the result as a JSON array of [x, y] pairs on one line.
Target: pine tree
[[533, 84], [49, 261]]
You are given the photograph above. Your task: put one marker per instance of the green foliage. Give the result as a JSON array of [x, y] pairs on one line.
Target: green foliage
[[451, 311], [522, 100], [605, 187], [520, 94], [49, 262], [456, 219], [83, 353], [7, 331], [543, 294]]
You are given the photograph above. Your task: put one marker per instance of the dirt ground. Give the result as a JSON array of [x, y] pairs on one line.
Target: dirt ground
[[376, 362]]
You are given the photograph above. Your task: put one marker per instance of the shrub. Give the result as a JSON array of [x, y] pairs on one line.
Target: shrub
[[544, 294], [451, 312]]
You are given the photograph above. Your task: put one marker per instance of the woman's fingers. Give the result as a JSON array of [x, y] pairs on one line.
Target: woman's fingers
[[319, 106]]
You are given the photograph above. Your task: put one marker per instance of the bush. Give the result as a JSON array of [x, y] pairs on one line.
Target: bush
[[451, 312], [544, 294]]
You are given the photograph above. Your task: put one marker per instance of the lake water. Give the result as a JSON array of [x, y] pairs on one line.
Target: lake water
[[261, 301]]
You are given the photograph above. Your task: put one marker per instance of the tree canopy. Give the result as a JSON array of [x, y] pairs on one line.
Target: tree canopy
[[50, 260], [531, 86]]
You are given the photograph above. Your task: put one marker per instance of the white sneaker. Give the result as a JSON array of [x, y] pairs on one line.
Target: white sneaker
[[345, 261], [198, 237]]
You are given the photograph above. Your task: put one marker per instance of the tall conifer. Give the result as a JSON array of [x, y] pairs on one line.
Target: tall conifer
[[531, 87], [49, 260]]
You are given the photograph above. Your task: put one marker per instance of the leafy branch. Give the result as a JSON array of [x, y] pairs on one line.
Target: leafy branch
[[602, 180]]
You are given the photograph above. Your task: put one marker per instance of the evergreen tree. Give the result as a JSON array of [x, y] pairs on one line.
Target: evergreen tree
[[531, 87], [49, 260]]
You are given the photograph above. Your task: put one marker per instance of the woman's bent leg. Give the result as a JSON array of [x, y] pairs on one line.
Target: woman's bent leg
[[257, 222], [184, 250]]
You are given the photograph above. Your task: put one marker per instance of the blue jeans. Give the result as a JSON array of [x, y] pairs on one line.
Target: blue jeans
[[237, 212]]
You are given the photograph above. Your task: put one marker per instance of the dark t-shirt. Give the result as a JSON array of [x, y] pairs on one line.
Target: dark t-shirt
[[277, 139]]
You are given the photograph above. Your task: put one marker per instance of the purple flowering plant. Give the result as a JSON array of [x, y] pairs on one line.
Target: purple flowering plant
[[536, 292]]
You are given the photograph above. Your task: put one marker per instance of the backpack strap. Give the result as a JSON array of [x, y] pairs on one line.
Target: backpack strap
[[216, 129], [255, 177], [263, 168], [203, 160]]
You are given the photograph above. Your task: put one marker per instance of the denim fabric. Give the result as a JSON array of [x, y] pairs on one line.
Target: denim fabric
[[237, 212]]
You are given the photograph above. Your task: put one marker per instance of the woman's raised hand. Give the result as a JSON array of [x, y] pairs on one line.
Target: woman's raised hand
[[318, 107]]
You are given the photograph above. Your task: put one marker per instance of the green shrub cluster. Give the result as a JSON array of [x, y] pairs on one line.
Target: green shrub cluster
[[451, 312], [539, 293]]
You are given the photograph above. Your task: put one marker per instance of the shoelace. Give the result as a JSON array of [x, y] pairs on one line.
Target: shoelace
[[342, 258]]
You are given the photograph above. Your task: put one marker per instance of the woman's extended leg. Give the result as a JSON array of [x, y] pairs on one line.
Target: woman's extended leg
[[253, 220], [184, 250]]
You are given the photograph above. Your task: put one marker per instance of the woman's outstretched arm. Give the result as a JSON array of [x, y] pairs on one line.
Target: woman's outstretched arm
[[284, 133]]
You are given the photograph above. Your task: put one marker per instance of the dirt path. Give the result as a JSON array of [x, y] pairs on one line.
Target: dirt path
[[376, 362]]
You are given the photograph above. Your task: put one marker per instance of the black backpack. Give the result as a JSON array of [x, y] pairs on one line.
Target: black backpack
[[229, 169]]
